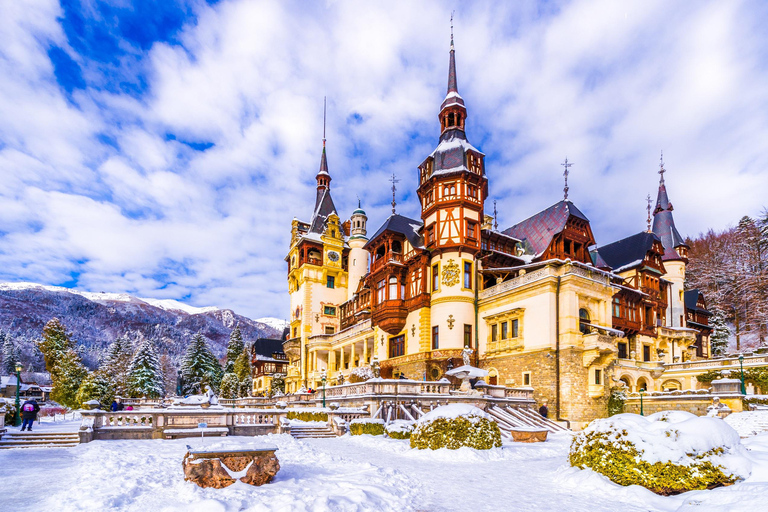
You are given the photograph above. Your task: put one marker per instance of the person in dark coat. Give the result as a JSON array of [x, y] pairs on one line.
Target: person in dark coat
[[117, 405], [543, 410], [29, 410]]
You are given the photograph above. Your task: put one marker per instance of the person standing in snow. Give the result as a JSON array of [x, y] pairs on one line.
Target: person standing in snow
[[29, 412], [543, 410], [117, 405]]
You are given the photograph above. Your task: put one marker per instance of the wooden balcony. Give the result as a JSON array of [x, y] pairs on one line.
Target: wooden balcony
[[626, 325], [390, 315], [389, 257]]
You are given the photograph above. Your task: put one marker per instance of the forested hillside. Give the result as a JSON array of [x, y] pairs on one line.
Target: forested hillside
[[731, 268]]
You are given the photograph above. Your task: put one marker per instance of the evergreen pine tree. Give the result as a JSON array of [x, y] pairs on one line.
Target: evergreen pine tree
[[96, 386], [200, 367], [145, 377], [54, 343], [11, 354], [67, 374], [718, 340], [234, 349], [242, 369], [230, 386], [117, 364]]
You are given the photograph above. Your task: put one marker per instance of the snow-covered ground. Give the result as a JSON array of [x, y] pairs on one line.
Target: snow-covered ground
[[360, 473]]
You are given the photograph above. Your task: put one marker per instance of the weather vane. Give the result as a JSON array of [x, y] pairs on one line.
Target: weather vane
[[565, 174], [662, 170], [452, 13], [394, 188], [648, 207], [495, 217]]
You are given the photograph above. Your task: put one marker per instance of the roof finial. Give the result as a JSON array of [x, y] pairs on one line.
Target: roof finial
[[648, 220], [358, 202], [495, 217], [452, 13], [662, 170], [324, 122], [565, 174], [394, 188]]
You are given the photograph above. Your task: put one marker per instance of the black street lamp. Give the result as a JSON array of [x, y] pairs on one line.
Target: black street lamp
[[16, 415], [642, 390], [741, 364], [323, 380], [179, 384]]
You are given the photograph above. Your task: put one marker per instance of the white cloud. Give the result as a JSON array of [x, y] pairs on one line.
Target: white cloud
[[608, 84]]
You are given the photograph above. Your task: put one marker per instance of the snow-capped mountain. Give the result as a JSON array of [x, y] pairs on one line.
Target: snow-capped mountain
[[97, 318]]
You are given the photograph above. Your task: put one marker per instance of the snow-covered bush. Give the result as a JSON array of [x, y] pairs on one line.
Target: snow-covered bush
[[456, 425], [668, 452], [360, 374], [7, 409], [399, 429], [307, 416], [372, 426], [616, 400]]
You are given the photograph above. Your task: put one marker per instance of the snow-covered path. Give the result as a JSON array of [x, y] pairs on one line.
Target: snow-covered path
[[344, 474]]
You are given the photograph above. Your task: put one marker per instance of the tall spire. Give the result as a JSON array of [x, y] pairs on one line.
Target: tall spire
[[648, 208], [452, 87], [323, 176], [664, 223], [453, 113]]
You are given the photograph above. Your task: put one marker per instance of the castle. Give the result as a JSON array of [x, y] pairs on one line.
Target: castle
[[540, 305]]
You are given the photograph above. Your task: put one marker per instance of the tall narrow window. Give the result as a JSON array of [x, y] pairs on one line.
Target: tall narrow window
[[597, 377], [504, 330], [330, 282], [646, 353], [435, 277], [380, 291], [435, 338], [467, 335], [583, 321], [515, 328], [495, 332], [470, 230], [622, 350], [467, 275], [392, 288]]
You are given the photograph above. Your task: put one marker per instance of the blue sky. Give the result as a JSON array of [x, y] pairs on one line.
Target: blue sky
[[162, 148]]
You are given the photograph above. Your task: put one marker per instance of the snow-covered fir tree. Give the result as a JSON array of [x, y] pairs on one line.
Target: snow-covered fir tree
[[718, 340], [200, 367], [11, 354], [54, 343], [67, 375], [230, 386], [243, 371], [96, 386], [145, 378], [234, 349], [117, 364]]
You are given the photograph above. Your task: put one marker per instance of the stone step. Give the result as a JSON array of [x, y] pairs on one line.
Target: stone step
[[6, 446], [45, 440]]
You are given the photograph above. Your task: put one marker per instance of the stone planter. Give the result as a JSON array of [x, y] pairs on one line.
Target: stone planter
[[219, 469], [532, 435]]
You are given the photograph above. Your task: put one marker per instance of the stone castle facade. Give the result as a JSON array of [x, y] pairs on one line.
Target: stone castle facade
[[540, 305]]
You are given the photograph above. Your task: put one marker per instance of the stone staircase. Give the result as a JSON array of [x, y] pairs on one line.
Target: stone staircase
[[509, 418], [311, 431], [39, 440]]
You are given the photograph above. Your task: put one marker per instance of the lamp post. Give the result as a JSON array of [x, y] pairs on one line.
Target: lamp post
[[641, 401], [17, 416], [741, 365], [323, 380]]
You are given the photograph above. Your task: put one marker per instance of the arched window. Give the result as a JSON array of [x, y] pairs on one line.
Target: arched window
[[392, 288], [451, 120], [584, 321]]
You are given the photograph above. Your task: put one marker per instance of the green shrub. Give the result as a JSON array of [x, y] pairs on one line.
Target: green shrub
[[308, 416], [366, 426], [453, 433], [613, 456], [709, 376], [616, 401], [399, 429]]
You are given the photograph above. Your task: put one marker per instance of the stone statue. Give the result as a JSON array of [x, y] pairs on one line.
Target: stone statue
[[466, 354]]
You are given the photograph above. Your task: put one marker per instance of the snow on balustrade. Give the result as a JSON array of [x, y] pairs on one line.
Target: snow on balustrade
[[255, 418], [121, 419]]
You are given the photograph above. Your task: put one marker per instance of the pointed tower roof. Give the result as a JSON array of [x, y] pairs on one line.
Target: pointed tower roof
[[664, 223], [324, 206]]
